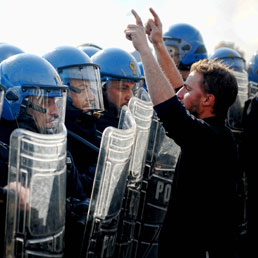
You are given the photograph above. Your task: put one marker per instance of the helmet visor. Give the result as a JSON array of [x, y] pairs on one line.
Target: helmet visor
[[177, 48], [46, 107], [84, 86]]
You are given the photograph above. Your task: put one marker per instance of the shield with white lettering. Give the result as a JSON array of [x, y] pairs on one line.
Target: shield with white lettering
[[162, 155]]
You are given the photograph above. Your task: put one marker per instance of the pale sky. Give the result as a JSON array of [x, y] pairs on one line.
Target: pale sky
[[38, 26]]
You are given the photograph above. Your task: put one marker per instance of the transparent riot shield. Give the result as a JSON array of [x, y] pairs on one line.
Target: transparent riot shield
[[143, 95], [109, 188], [235, 113], [35, 217], [252, 89], [162, 155], [142, 112]]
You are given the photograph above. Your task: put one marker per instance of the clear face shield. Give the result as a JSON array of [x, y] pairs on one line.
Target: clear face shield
[[177, 48], [46, 106], [84, 84], [119, 92], [2, 92]]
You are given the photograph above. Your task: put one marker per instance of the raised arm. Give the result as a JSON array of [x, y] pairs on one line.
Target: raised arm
[[167, 64], [158, 85]]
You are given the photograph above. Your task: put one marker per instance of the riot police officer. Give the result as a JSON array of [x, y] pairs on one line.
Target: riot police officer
[[35, 104], [84, 101], [121, 77], [185, 45]]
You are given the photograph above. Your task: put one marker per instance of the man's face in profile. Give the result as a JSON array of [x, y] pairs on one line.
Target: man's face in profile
[[44, 113], [81, 95], [120, 92]]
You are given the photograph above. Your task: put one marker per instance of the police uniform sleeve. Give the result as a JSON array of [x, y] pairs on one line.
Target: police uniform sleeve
[[74, 186]]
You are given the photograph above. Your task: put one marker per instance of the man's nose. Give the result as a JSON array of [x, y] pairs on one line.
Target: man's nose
[[54, 109], [180, 93], [91, 94], [129, 94]]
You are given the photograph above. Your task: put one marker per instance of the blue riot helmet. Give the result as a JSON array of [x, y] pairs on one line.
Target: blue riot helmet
[[80, 74], [2, 93], [89, 50], [185, 45], [120, 75], [34, 93], [252, 70], [7, 50], [232, 59]]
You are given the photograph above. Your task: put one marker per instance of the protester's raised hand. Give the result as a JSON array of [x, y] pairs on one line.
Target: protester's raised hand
[[136, 33], [153, 28]]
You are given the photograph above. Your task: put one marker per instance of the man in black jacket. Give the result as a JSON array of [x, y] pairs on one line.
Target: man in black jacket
[[202, 217]]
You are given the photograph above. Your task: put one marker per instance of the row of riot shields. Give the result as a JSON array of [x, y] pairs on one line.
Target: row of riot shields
[[130, 195], [132, 185], [108, 189], [142, 112]]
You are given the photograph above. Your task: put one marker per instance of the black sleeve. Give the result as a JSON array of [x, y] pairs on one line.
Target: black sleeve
[[4, 153], [74, 186], [249, 136]]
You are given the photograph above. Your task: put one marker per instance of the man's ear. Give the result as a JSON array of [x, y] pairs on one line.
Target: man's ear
[[209, 100]]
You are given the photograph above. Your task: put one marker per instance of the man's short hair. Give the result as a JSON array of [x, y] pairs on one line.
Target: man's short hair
[[219, 80]]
